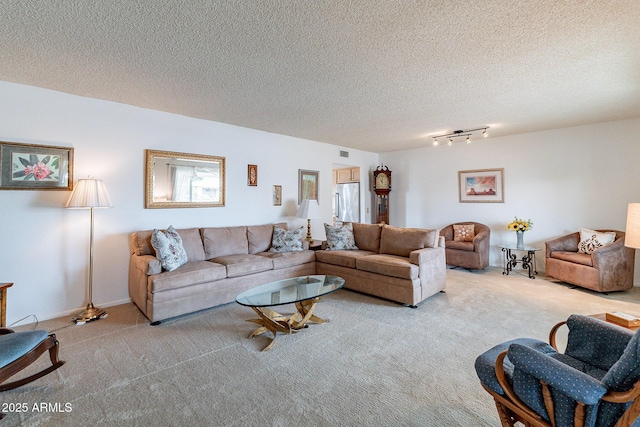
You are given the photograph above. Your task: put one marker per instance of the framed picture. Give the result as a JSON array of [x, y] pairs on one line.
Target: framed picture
[[307, 185], [481, 186], [277, 195], [252, 175], [35, 167]]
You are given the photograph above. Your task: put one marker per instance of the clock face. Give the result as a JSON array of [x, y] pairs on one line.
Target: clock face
[[382, 181]]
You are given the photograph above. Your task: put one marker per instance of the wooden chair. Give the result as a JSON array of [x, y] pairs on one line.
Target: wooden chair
[[596, 381], [20, 349]]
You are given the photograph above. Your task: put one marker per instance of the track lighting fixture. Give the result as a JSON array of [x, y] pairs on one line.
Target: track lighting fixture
[[460, 133]]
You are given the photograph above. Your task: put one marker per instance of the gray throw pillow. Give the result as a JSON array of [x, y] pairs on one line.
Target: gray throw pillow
[[340, 238], [286, 240], [169, 248]]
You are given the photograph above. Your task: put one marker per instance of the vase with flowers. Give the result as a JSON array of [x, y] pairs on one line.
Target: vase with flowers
[[520, 226]]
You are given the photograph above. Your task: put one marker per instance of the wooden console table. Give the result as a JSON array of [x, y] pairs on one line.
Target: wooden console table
[[3, 303]]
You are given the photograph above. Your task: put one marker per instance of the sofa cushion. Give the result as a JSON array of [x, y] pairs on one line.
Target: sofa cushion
[[401, 241], [289, 259], [463, 232], [388, 265], [191, 241], [241, 265], [222, 241], [169, 249], [342, 258], [590, 240], [462, 246], [575, 257], [340, 237], [367, 236], [16, 345], [260, 236], [192, 273], [286, 240]]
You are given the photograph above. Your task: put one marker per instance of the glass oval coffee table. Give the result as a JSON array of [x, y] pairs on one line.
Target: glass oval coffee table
[[305, 292]]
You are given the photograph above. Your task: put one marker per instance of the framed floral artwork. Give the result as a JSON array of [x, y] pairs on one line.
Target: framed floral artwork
[[307, 185], [35, 167], [252, 175], [481, 186]]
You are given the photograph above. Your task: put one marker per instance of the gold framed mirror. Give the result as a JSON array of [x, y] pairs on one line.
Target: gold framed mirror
[[183, 180]]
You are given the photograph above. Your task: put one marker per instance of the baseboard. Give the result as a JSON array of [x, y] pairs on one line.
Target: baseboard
[[30, 319]]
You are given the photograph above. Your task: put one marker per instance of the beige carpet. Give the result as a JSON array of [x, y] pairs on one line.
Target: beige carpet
[[375, 364]]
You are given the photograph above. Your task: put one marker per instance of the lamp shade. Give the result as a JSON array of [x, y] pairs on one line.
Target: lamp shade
[[89, 193], [632, 232], [309, 209]]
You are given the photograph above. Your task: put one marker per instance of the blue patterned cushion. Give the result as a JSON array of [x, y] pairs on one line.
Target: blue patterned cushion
[[286, 240], [486, 363], [17, 344], [595, 342], [340, 238], [169, 249]]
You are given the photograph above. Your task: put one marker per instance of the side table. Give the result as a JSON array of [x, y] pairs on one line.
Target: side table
[[603, 316], [3, 303], [315, 245], [528, 260]]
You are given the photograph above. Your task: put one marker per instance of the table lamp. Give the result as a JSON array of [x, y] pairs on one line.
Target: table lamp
[[632, 232], [90, 194], [309, 210]]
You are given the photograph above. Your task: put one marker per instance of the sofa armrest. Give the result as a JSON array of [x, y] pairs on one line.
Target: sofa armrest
[[422, 256], [615, 256], [568, 243], [441, 242], [481, 241], [147, 264]]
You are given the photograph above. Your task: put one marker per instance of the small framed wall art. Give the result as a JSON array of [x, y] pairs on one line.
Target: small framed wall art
[[277, 195], [481, 186], [35, 167], [252, 175]]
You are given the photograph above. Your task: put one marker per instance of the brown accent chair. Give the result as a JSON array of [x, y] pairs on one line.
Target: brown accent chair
[[470, 255], [609, 268]]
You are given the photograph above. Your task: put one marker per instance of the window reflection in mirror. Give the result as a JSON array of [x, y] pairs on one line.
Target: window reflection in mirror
[[184, 180]]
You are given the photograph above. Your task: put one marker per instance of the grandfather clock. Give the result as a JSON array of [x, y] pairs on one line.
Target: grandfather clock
[[382, 187]]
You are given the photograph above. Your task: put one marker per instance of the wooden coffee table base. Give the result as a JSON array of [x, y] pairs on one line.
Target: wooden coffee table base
[[271, 321]]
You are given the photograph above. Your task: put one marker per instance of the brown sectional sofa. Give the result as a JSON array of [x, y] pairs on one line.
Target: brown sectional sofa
[[400, 264]]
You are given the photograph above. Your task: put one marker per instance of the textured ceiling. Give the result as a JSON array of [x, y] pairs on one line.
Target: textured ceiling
[[374, 75]]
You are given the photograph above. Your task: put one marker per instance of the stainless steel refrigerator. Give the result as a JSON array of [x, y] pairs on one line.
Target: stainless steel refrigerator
[[347, 203]]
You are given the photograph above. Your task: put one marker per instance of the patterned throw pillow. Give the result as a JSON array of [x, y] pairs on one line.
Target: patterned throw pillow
[[286, 240], [463, 232], [339, 238], [590, 240], [169, 249]]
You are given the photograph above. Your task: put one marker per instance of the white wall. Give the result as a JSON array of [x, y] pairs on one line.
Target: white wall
[[44, 247], [561, 179]]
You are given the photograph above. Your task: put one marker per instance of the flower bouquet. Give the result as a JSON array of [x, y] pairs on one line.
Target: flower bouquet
[[520, 225]]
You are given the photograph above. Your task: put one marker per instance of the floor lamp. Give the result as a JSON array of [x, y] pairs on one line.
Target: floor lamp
[[90, 194], [632, 231], [309, 210]]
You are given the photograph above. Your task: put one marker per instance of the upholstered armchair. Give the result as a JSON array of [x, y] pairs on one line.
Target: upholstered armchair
[[470, 254], [608, 268], [19, 350], [596, 382]]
